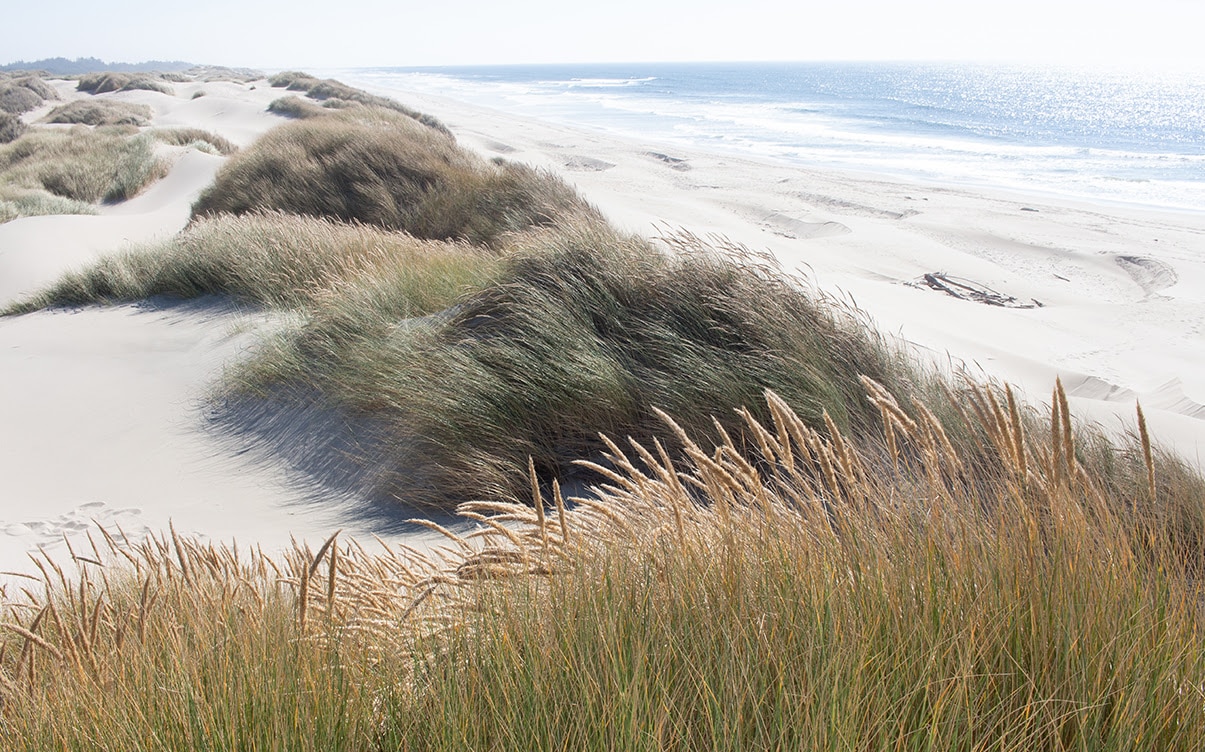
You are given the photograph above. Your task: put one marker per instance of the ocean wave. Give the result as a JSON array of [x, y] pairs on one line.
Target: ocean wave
[[1072, 135]]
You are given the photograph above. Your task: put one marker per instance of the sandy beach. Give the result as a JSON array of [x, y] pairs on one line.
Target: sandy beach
[[102, 411]]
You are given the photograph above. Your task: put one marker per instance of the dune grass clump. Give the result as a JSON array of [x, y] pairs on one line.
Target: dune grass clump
[[584, 331], [198, 646], [103, 83], [197, 137], [787, 591], [100, 112], [377, 167], [293, 80], [81, 164], [33, 83], [17, 202], [295, 107], [276, 260], [11, 127], [20, 94], [332, 91], [15, 100], [783, 588]]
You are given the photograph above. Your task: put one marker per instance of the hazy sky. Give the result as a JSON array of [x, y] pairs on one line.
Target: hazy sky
[[308, 33]]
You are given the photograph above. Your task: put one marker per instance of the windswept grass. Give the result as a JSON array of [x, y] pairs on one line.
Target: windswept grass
[[20, 94], [11, 127], [293, 81], [18, 202], [332, 91], [786, 589], [100, 112], [296, 107], [824, 548], [280, 261], [103, 83], [32, 83], [585, 330], [83, 165], [374, 166], [197, 137], [15, 100]]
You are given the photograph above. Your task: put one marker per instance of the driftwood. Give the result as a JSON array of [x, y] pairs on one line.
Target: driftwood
[[967, 290]]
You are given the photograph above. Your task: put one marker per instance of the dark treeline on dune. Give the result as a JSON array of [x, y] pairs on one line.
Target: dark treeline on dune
[[61, 66]]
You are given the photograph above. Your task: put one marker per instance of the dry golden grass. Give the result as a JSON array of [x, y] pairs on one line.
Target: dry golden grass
[[788, 588]]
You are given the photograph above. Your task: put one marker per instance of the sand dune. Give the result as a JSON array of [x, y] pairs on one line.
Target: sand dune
[[1121, 289], [102, 411]]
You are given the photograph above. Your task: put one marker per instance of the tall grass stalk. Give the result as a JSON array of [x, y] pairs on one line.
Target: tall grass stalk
[[793, 588]]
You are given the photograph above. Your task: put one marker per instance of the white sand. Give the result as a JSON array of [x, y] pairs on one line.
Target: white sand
[[101, 411]]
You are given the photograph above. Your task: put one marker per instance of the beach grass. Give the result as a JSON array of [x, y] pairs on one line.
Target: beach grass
[[293, 80], [15, 99], [198, 138], [585, 330], [378, 167], [20, 94], [105, 82], [19, 202], [275, 260], [784, 590], [79, 165], [330, 91], [100, 112], [294, 106], [11, 127]]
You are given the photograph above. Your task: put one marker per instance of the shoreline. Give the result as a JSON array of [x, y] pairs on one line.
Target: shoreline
[[926, 172]]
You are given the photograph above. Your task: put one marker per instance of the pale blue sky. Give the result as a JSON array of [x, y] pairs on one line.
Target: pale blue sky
[[307, 33]]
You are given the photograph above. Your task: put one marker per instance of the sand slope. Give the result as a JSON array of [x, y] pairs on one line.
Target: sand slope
[[103, 411]]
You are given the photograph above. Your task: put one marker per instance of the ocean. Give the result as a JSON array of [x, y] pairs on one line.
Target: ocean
[[1107, 136]]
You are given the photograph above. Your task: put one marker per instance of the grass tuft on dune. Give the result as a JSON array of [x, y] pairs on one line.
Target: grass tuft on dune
[[197, 138], [377, 167], [295, 107], [271, 259], [11, 127], [100, 112], [20, 94], [584, 330], [105, 82], [336, 94], [81, 165]]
